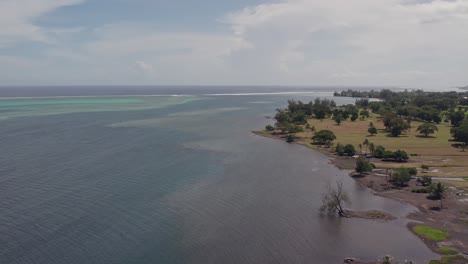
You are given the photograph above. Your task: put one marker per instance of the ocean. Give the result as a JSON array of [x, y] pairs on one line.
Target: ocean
[[174, 175]]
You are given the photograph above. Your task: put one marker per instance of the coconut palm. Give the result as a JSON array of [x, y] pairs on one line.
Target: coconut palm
[[366, 142], [371, 148]]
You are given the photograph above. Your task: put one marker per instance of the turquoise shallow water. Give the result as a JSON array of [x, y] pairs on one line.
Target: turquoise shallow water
[[13, 108], [176, 180], [16, 103]]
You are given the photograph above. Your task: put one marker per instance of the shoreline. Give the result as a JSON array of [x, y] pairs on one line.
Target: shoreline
[[444, 219]]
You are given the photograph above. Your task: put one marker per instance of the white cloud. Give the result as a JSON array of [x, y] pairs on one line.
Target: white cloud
[[17, 19], [146, 68], [417, 43], [328, 42]]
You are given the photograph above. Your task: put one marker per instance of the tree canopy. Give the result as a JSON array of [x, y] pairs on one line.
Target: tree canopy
[[363, 166], [397, 126], [460, 133], [323, 137], [427, 128]]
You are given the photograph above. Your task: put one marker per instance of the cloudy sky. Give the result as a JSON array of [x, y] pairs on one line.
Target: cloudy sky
[[410, 43]]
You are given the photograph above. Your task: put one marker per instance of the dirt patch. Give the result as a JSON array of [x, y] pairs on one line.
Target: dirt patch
[[372, 214]]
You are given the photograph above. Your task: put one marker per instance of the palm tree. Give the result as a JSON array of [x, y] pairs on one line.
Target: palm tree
[[366, 142], [307, 129], [371, 148], [439, 192]]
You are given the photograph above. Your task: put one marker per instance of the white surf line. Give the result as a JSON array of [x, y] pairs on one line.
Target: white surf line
[[94, 96], [155, 95], [272, 93]]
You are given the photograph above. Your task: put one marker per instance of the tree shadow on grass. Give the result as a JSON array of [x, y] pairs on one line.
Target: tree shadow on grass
[[422, 136], [400, 136], [458, 146]]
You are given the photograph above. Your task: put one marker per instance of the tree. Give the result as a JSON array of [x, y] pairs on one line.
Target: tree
[[397, 126], [427, 128], [312, 129], [324, 137], [401, 156], [320, 111], [339, 149], [349, 150], [363, 166], [457, 117], [364, 114], [388, 155], [379, 151], [400, 176], [387, 117], [438, 192], [334, 198], [282, 116], [338, 119], [366, 142], [460, 133], [293, 129], [372, 130], [425, 180], [307, 129], [424, 168], [372, 148]]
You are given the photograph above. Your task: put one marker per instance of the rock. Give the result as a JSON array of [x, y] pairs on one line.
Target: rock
[[349, 260]]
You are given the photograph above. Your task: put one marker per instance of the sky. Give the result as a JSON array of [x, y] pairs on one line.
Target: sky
[[405, 43]]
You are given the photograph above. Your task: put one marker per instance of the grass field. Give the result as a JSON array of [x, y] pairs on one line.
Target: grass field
[[449, 260], [447, 251], [430, 233], [436, 151]]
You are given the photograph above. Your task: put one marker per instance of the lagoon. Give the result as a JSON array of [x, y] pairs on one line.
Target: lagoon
[[171, 180]]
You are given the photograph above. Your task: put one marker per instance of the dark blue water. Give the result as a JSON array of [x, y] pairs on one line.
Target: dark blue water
[[27, 91], [179, 182]]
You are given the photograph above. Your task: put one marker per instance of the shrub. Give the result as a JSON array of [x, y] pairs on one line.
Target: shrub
[[388, 155], [349, 150], [269, 128], [363, 166], [424, 167], [379, 151], [425, 180], [401, 177], [412, 171], [372, 130], [401, 155], [339, 149]]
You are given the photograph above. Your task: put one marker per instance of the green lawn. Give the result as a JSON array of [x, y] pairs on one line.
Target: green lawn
[[436, 151], [449, 260], [447, 251], [430, 233]]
